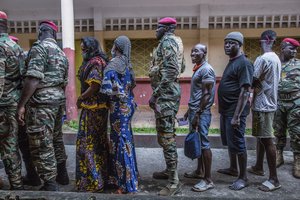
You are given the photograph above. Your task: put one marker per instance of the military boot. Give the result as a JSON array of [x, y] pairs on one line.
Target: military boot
[[171, 190], [296, 167], [161, 175], [62, 174], [50, 185], [32, 178], [279, 157]]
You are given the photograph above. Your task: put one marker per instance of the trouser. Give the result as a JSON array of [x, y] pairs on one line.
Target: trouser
[[9, 146], [166, 139], [287, 119], [44, 130]]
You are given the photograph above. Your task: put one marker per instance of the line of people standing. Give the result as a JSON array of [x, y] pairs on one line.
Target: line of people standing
[[107, 92]]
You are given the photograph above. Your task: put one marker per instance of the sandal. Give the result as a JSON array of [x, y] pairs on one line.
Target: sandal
[[193, 174], [267, 186], [203, 186], [252, 170]]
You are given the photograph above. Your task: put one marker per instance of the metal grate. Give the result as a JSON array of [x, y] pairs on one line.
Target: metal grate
[[141, 51], [146, 23], [80, 25], [260, 21]]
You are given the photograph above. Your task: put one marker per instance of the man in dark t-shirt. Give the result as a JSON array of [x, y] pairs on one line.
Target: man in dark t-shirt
[[233, 94]]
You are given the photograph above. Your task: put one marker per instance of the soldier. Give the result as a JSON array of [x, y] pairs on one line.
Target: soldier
[[288, 112], [167, 64], [44, 96], [11, 65], [31, 178]]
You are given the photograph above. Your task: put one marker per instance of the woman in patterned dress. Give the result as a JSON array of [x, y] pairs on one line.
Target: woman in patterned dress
[[118, 84], [92, 141]]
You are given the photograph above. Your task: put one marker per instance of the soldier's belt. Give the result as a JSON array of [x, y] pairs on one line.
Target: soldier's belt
[[289, 96]]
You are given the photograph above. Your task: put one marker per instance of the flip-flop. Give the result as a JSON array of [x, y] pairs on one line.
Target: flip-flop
[[193, 174], [252, 170], [238, 184], [228, 171], [267, 186], [203, 186]]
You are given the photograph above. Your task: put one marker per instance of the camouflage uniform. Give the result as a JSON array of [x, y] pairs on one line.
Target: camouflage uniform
[[44, 110], [167, 64], [288, 114], [11, 66]]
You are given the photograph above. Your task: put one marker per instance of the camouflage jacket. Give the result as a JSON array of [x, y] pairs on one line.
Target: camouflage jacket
[[48, 63], [289, 85], [11, 69], [165, 69]]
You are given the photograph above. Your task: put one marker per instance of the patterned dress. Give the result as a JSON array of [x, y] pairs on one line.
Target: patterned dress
[[122, 163], [92, 141]]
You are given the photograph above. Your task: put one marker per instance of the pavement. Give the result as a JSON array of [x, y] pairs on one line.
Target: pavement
[[151, 159]]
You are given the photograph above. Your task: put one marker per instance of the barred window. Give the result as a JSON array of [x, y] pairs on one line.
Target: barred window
[[141, 51], [252, 47]]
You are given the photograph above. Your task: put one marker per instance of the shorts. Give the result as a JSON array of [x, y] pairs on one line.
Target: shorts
[[203, 127], [233, 138], [262, 123]]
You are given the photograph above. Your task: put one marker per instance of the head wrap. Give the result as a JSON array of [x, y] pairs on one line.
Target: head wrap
[[290, 41], [50, 24], [167, 21], [3, 15], [13, 38], [237, 36], [93, 48], [123, 44]]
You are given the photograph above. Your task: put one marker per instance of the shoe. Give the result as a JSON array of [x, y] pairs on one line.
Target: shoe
[[171, 190], [32, 178], [161, 175], [49, 186], [296, 167], [203, 186], [193, 174], [279, 157], [62, 174]]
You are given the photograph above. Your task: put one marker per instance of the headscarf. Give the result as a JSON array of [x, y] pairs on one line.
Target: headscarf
[[123, 44], [93, 49]]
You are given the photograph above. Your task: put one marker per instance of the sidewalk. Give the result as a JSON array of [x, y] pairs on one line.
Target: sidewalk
[[151, 159]]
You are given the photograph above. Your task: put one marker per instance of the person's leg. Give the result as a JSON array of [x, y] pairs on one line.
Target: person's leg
[[225, 126], [40, 127], [166, 139], [9, 147], [238, 146], [257, 129], [280, 132], [59, 149], [294, 131]]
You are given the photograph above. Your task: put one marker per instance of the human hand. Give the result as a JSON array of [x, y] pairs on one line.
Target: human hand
[[20, 115], [186, 115], [235, 122], [78, 103], [195, 122]]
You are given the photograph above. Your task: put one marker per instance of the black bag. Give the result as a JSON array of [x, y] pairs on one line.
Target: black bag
[[192, 145]]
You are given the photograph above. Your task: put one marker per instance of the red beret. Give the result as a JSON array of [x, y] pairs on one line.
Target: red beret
[[167, 20], [291, 41], [15, 39], [50, 24], [3, 15]]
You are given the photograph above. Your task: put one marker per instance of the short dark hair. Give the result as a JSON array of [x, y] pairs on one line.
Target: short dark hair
[[269, 35]]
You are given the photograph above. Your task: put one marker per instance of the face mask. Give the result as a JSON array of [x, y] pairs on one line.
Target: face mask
[[85, 55], [113, 53]]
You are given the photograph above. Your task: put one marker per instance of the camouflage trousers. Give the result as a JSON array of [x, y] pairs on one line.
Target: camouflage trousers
[[287, 118], [165, 127], [9, 146], [44, 130]]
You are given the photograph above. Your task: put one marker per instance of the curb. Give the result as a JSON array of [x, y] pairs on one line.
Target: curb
[[150, 141]]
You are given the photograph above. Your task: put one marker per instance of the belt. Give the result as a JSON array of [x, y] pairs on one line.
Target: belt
[[289, 96]]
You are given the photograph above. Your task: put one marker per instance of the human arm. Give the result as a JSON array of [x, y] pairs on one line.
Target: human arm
[[207, 92], [94, 88]]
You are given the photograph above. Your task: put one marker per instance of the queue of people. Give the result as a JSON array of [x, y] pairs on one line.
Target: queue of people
[[32, 103]]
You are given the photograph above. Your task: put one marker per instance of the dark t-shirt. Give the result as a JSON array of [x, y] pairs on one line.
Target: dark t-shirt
[[238, 73]]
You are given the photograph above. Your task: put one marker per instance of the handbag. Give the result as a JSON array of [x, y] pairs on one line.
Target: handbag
[[192, 145]]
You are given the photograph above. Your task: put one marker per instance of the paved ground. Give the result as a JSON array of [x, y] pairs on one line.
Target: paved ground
[[151, 159]]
